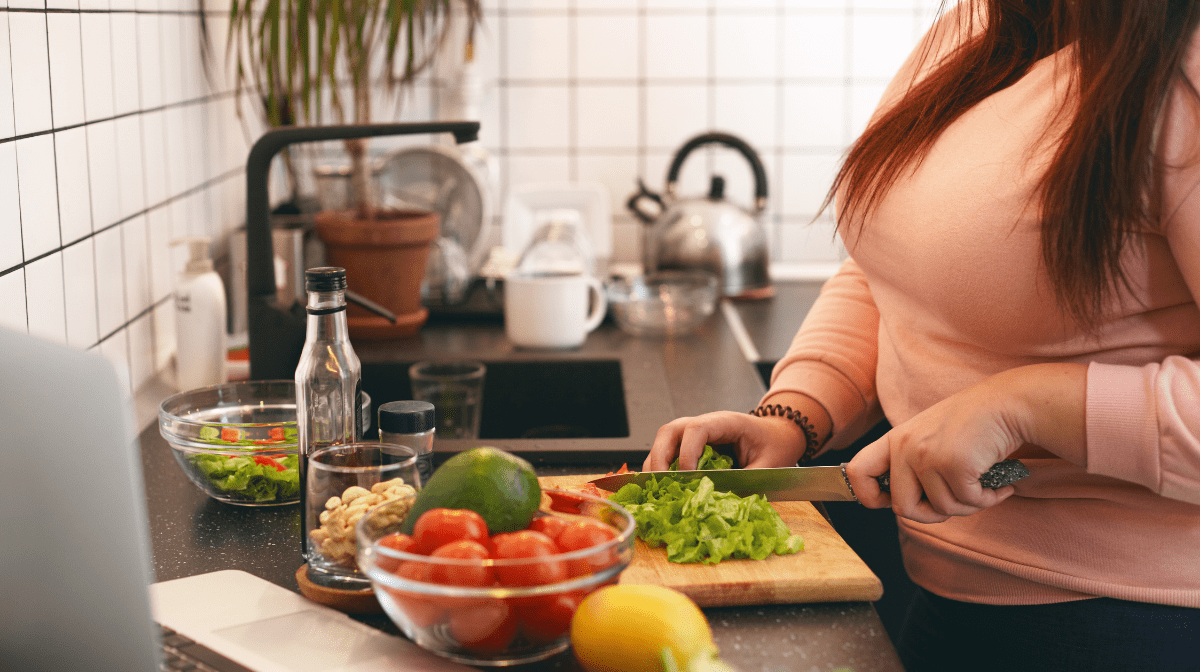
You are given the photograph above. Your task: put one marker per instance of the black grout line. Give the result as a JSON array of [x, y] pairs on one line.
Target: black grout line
[[236, 172], [572, 93], [144, 312], [502, 114], [687, 81], [112, 67], [161, 108], [155, 12], [710, 83], [17, 167], [137, 28], [776, 230], [87, 157], [643, 93]]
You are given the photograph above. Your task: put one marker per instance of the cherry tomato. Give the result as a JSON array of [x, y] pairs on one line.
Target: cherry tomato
[[477, 574], [438, 527], [397, 541], [231, 434], [483, 628], [528, 544], [546, 618], [268, 462], [572, 501], [586, 534], [551, 526], [423, 610], [565, 501], [623, 470]]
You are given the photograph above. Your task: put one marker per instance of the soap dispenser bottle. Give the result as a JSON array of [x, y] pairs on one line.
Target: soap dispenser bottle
[[199, 319]]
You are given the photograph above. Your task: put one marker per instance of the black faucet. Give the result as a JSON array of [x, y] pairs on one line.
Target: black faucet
[[276, 330]]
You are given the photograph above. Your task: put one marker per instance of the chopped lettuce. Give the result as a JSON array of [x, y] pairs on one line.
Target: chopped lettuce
[[710, 459], [699, 524], [253, 478]]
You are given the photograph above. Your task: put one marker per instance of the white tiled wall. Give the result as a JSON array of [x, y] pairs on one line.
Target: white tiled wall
[[608, 90], [113, 142], [111, 145]]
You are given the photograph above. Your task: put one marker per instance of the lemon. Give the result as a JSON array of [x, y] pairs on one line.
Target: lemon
[[627, 628], [497, 485]]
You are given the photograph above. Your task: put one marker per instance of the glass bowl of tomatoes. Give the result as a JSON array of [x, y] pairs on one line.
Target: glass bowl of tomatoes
[[492, 599], [237, 441]]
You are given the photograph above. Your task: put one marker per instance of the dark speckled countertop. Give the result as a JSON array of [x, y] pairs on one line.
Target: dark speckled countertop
[[192, 534]]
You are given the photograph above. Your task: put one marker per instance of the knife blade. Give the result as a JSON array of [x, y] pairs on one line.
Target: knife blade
[[792, 484]]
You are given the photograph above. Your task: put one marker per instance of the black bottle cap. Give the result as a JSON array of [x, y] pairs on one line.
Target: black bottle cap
[[324, 279], [406, 417]]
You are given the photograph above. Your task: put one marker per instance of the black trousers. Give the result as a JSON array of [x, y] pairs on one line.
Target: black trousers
[[1094, 635]]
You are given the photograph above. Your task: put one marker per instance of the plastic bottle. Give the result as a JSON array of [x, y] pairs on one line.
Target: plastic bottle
[[200, 313], [328, 378]]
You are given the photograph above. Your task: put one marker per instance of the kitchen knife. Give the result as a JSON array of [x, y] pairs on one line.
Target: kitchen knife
[[790, 484]]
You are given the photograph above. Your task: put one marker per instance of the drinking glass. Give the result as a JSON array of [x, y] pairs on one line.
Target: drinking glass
[[456, 391], [343, 483]]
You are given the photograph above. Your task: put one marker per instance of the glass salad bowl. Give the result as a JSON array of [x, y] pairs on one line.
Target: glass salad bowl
[[237, 441]]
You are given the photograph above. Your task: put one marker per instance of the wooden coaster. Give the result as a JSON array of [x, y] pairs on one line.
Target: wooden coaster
[[345, 601]]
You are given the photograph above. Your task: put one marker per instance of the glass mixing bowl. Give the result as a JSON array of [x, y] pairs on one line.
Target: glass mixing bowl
[[501, 623], [666, 303], [237, 441]]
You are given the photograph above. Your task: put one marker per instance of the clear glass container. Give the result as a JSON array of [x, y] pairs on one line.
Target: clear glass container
[[456, 391], [559, 245], [509, 623], [343, 483], [237, 441]]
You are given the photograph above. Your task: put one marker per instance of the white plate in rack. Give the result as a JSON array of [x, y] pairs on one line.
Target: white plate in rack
[[527, 201]]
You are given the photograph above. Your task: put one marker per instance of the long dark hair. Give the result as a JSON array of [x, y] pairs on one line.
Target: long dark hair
[[1102, 186]]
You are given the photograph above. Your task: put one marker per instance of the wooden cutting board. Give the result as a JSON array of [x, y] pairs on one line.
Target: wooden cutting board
[[826, 570]]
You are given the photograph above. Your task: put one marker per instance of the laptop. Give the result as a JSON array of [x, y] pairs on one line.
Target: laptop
[[76, 584]]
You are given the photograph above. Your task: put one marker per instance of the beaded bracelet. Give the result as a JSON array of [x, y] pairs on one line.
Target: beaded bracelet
[[811, 440]]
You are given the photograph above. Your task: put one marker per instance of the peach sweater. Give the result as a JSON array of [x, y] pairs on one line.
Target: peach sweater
[[945, 288]]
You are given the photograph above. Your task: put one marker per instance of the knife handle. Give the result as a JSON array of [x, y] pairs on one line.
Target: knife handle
[[999, 475]]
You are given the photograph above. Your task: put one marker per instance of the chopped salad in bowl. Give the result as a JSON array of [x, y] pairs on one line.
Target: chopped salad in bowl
[[237, 441]]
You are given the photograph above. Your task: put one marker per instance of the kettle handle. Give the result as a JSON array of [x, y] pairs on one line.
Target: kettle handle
[[635, 203], [733, 142]]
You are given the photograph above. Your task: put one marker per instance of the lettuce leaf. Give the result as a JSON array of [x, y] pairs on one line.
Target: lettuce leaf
[[710, 459], [698, 523], [244, 477]]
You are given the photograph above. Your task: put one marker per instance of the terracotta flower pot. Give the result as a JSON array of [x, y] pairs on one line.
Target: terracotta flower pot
[[384, 258]]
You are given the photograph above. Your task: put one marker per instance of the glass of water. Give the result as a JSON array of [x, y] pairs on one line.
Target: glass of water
[[456, 391]]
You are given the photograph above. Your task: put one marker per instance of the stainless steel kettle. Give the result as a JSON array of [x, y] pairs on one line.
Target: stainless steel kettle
[[708, 232]]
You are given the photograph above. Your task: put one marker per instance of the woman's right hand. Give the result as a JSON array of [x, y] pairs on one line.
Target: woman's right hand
[[758, 442]]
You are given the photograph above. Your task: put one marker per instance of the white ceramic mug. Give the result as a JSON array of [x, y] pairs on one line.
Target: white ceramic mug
[[551, 310]]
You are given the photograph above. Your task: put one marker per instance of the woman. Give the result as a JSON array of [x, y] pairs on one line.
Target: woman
[[1023, 221]]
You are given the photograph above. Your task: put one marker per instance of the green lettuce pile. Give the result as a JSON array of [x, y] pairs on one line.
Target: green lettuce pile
[[249, 479], [699, 524]]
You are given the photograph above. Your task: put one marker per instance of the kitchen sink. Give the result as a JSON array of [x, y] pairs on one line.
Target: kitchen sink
[[545, 399]]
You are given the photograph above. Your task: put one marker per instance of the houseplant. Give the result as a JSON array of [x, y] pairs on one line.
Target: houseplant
[[311, 61]]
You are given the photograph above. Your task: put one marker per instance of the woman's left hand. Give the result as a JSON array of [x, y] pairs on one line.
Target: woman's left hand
[[936, 458]]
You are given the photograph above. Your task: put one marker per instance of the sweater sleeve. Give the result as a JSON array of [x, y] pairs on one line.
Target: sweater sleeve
[[832, 357], [1143, 423]]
